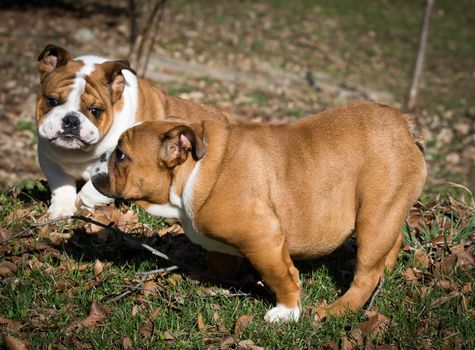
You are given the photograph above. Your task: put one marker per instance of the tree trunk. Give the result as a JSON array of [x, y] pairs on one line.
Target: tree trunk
[[411, 101]]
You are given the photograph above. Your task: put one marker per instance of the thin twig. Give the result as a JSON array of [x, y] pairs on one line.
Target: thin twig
[[179, 264], [411, 101], [131, 290], [158, 271], [376, 292], [155, 252], [22, 233], [154, 37], [146, 33]]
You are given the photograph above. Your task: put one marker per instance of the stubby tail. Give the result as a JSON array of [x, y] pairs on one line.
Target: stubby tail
[[414, 131]]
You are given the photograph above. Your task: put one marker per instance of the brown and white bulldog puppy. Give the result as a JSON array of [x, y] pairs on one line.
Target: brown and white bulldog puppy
[[277, 193], [84, 105]]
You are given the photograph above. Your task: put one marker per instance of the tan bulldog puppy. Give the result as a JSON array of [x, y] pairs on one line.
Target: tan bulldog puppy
[[84, 105], [276, 193]]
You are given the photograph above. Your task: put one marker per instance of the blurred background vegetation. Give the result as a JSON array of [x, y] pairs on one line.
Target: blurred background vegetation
[[269, 60]]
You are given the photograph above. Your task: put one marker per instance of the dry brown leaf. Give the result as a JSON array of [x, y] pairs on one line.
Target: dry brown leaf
[[97, 314], [153, 315], [356, 337], [345, 344], [227, 343], [376, 324], [105, 215], [7, 323], [414, 218], [446, 284], [468, 287], [98, 267], [200, 323], [15, 283], [331, 345], [149, 288], [410, 276], [56, 238], [219, 322], [127, 221], [13, 343], [168, 336], [444, 299], [421, 259], [17, 215], [135, 310], [5, 234], [7, 268], [445, 266], [241, 323], [174, 229], [126, 343], [249, 345], [64, 284], [35, 264], [147, 329], [465, 260]]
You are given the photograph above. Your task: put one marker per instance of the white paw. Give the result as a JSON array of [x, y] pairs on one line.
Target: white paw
[[61, 208], [281, 313], [89, 197]]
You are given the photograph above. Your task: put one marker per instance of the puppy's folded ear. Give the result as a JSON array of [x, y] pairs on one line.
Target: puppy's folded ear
[[115, 78], [178, 142], [51, 58]]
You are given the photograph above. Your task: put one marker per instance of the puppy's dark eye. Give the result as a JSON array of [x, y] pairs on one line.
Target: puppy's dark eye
[[52, 102], [96, 112], [119, 155]]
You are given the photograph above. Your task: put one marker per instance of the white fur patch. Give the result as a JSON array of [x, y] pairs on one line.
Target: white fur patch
[[90, 197], [282, 313], [174, 198], [187, 195], [164, 210], [187, 218], [63, 202]]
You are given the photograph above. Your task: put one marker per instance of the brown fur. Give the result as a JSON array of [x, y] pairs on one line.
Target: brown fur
[[297, 190]]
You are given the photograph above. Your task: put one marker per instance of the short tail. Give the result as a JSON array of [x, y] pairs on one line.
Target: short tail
[[414, 131]]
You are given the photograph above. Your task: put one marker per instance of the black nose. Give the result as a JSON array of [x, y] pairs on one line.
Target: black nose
[[71, 123]]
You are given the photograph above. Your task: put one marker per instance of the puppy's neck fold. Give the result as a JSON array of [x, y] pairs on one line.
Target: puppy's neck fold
[[180, 176]]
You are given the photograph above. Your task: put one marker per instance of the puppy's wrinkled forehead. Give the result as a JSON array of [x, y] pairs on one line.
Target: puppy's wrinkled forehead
[[72, 75], [138, 139]]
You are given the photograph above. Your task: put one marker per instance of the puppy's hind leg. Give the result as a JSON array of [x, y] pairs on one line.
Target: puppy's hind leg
[[378, 240]]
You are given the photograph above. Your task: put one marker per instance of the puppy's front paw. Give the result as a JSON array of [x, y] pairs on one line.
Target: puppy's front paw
[[281, 313], [61, 208], [89, 197]]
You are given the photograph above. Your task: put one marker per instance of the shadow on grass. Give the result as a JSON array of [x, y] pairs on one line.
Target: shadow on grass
[[124, 249]]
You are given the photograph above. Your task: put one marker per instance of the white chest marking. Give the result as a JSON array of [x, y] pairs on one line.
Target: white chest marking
[[164, 210], [181, 208]]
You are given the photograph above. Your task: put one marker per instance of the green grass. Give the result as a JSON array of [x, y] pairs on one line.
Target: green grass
[[372, 43], [54, 286]]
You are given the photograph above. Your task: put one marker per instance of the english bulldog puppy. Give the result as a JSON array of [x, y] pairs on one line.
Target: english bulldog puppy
[[84, 105], [276, 193]]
